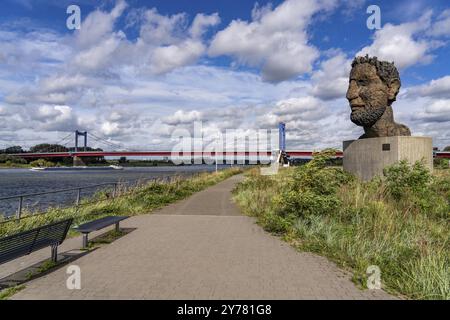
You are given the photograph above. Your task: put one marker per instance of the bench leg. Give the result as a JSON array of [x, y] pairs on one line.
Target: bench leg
[[54, 253], [85, 240], [117, 227]]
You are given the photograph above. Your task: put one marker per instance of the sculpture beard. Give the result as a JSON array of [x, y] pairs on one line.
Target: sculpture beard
[[367, 117]]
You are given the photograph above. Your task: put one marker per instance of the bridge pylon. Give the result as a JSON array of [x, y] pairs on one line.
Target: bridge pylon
[[77, 162], [83, 134]]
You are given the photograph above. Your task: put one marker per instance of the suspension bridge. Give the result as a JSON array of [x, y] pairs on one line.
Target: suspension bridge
[[61, 149]]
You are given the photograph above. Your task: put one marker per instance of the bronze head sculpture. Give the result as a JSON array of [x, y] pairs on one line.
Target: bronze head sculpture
[[372, 89]]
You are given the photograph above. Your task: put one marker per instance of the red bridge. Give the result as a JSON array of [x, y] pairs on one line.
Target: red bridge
[[292, 154], [61, 150]]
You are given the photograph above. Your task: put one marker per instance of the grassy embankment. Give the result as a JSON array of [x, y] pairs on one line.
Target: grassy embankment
[[400, 223], [129, 201]]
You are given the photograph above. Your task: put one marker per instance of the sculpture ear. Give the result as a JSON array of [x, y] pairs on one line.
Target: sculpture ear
[[394, 88]]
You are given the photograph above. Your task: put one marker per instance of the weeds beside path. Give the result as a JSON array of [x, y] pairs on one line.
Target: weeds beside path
[[400, 223]]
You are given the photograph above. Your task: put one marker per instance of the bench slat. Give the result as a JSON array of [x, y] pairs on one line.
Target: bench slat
[[99, 223]]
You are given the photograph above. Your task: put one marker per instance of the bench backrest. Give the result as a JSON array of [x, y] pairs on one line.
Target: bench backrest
[[17, 245]]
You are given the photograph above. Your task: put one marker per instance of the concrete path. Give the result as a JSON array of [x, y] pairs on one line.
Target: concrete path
[[199, 248]]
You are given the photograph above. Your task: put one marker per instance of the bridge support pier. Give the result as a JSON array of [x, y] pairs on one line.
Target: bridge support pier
[[77, 162]]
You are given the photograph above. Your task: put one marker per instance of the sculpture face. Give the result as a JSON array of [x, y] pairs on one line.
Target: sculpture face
[[373, 86], [368, 95]]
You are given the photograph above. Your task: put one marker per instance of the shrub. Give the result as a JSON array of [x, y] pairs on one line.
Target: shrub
[[312, 189], [440, 163], [42, 163], [403, 179], [7, 159]]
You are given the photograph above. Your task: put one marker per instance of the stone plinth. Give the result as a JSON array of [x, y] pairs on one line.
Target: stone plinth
[[367, 158]]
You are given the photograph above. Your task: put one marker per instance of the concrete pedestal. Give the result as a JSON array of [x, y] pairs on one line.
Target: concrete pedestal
[[367, 158]]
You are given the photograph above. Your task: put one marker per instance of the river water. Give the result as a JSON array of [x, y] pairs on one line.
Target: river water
[[23, 181]]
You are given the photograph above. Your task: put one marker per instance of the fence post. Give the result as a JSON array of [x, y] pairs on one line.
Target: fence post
[[19, 209], [78, 196], [115, 190]]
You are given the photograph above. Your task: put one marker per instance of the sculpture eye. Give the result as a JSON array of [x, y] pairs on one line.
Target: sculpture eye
[[362, 82]]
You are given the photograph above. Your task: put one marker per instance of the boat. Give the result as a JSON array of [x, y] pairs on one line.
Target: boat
[[77, 168]]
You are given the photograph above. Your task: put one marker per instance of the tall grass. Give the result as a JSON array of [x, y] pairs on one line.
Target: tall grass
[[140, 199], [399, 223]]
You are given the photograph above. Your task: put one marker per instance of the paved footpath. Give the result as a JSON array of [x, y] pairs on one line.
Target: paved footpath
[[199, 248]]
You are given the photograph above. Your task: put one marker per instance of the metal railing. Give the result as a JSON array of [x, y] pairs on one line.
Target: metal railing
[[139, 182]]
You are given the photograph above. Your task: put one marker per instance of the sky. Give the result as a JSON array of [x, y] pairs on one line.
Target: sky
[[137, 70]]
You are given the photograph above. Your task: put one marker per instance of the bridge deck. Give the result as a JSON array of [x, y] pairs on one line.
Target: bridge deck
[[291, 153]]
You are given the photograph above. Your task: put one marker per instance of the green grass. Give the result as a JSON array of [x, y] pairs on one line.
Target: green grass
[[129, 201], [400, 223], [105, 238], [9, 292]]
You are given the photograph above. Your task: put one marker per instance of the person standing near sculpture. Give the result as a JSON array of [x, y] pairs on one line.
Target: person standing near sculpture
[[373, 87]]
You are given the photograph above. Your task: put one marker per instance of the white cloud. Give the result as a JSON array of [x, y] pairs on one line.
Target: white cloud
[[54, 118], [331, 80], [438, 88], [109, 128], [157, 29], [100, 55], [183, 117], [295, 111], [168, 58], [399, 43], [178, 45], [41, 51], [164, 43], [62, 83], [98, 25], [275, 40], [441, 27], [440, 107], [202, 22]]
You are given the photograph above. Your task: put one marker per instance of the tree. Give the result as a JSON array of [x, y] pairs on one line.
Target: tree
[[45, 147], [447, 149], [14, 149], [89, 160]]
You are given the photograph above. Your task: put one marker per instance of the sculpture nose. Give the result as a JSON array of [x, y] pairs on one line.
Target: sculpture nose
[[352, 91]]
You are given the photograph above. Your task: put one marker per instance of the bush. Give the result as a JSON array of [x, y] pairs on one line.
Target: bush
[[42, 163], [312, 189], [7, 159], [403, 179], [416, 189], [440, 163]]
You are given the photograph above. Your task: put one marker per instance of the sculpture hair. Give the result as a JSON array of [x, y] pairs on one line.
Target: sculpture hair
[[385, 70]]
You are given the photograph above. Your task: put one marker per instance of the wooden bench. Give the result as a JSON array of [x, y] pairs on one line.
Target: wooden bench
[[98, 224], [24, 243]]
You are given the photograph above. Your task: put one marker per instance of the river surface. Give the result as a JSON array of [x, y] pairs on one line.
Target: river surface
[[23, 181]]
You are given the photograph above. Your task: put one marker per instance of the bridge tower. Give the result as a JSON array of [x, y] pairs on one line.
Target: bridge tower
[[83, 134], [282, 136], [282, 157], [77, 160]]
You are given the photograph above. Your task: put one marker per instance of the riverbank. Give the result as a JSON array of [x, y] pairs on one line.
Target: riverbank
[[202, 248], [400, 225], [137, 200]]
